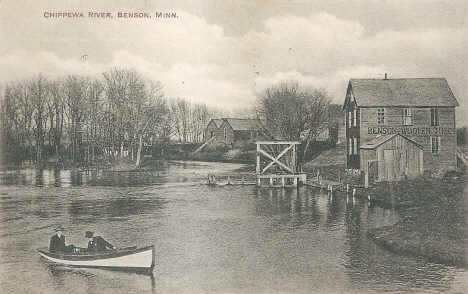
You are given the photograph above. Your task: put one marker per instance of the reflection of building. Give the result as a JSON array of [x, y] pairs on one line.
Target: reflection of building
[[421, 110], [230, 130]]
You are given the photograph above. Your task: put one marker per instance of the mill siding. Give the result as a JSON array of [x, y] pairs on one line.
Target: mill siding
[[404, 107]]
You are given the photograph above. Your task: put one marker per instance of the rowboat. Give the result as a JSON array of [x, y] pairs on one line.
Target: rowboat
[[131, 258]]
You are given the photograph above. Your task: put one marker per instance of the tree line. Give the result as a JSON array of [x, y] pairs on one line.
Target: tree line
[[80, 118]]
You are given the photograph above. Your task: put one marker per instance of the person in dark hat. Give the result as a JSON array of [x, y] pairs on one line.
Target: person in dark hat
[[97, 243], [57, 242]]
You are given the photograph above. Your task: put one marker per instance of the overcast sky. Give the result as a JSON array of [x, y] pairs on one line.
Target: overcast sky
[[224, 52]]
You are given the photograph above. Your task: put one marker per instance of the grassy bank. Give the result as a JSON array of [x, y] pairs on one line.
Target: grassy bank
[[435, 220]]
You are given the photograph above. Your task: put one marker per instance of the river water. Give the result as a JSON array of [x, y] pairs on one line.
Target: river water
[[209, 239]]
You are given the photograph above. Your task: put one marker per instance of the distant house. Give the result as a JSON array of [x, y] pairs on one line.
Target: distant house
[[422, 110], [212, 129], [232, 130]]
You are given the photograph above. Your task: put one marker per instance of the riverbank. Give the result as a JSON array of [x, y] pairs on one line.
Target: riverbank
[[434, 225], [434, 211]]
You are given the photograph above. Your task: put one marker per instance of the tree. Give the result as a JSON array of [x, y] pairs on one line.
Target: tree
[[10, 124], [153, 112], [40, 96], [56, 115], [94, 127], [290, 112], [75, 91]]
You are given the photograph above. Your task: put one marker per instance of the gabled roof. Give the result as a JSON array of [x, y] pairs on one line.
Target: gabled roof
[[217, 121], [379, 140], [420, 92], [240, 124]]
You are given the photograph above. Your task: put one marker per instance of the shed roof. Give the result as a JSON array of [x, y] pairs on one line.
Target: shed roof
[[379, 140], [241, 124], [422, 92]]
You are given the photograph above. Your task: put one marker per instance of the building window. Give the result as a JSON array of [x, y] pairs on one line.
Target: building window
[[434, 117], [355, 146], [350, 146], [380, 116], [435, 145], [225, 133], [355, 117], [349, 119], [211, 134], [407, 117]]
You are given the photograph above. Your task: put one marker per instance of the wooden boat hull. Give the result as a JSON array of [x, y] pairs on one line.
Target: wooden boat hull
[[139, 258]]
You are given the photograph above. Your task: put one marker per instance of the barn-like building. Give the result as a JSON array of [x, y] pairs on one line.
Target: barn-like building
[[230, 130], [212, 129], [400, 128]]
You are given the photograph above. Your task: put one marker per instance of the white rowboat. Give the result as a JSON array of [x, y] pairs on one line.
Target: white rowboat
[[126, 258]]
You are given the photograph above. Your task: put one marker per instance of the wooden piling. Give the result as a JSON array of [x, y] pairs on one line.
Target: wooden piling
[[366, 179]]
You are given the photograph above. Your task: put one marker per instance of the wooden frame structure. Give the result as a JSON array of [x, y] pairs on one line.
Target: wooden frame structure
[[289, 168]]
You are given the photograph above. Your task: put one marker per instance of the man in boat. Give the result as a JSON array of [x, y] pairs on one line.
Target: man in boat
[[57, 242], [97, 243]]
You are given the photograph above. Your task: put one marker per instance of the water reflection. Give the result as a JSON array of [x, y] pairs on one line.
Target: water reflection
[[366, 264], [93, 279], [58, 177]]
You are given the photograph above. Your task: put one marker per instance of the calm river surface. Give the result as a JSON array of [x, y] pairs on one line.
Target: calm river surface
[[229, 239]]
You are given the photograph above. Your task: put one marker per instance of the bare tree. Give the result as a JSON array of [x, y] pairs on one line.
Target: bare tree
[[288, 112], [75, 90], [153, 112], [94, 123], [200, 118], [56, 108], [11, 117]]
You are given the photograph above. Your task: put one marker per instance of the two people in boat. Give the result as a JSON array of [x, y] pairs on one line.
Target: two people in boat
[[95, 243]]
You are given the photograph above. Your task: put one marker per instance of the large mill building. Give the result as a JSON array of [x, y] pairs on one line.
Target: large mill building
[[400, 128]]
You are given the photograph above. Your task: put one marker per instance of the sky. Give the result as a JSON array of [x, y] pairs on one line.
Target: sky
[[225, 52]]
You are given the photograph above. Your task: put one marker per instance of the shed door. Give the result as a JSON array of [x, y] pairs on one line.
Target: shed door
[[392, 165]]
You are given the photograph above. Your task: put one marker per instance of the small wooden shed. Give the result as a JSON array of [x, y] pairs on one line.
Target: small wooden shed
[[392, 158]]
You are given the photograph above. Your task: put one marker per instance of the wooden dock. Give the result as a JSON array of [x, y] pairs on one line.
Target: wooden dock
[[281, 180]]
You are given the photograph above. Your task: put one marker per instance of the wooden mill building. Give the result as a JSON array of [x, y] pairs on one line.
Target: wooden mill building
[[400, 128]]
